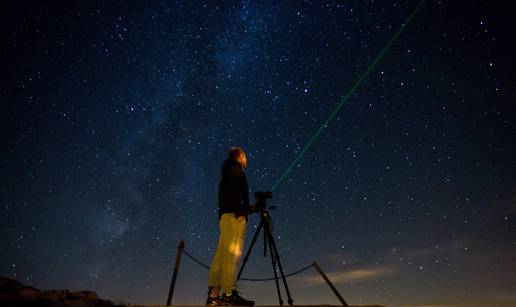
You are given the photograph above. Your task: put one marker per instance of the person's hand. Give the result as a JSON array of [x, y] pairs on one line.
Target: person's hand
[[258, 206], [253, 208]]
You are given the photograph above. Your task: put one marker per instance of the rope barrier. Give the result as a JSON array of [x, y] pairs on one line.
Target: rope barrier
[[272, 278], [247, 279], [181, 250], [195, 260]]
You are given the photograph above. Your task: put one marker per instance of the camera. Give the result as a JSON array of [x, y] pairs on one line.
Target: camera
[[261, 200]]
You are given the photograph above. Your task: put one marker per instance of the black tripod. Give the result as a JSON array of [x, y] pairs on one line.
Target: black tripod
[[268, 241]]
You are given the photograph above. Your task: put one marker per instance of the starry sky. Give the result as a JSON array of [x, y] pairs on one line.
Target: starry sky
[[117, 115]]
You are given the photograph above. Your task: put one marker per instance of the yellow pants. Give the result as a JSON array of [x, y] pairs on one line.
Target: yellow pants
[[229, 249]]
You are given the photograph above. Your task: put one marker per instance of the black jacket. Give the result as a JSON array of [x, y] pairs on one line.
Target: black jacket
[[233, 190]]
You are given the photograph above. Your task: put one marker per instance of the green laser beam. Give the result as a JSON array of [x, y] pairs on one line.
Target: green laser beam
[[350, 92]]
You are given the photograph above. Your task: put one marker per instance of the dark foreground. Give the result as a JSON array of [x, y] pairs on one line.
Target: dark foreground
[[264, 306], [16, 294]]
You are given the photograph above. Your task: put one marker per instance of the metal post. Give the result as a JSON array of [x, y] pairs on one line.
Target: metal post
[[180, 249], [327, 280]]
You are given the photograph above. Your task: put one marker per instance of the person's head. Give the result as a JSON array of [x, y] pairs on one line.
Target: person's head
[[237, 154]]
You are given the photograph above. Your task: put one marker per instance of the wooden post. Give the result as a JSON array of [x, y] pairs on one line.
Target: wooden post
[[327, 280], [180, 249]]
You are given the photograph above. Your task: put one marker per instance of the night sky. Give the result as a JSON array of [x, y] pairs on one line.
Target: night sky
[[117, 115]]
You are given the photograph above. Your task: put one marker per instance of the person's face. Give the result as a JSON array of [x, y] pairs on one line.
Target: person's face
[[242, 159]]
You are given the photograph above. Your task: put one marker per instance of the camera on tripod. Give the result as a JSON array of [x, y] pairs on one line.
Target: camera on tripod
[[261, 201], [268, 243]]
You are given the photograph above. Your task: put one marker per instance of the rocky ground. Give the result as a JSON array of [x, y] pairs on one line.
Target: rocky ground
[[16, 294]]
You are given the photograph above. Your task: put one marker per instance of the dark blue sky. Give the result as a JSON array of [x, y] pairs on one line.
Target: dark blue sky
[[118, 115]]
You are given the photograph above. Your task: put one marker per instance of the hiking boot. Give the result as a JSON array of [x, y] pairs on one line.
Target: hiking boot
[[235, 300], [215, 302]]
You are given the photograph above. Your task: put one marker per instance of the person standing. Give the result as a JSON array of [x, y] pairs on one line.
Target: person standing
[[234, 209]]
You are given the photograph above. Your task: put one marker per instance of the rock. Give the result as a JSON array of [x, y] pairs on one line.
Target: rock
[[16, 294], [74, 303], [53, 295], [84, 295]]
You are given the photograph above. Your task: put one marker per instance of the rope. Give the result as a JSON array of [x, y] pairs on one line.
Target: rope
[[197, 261], [272, 278], [247, 279]]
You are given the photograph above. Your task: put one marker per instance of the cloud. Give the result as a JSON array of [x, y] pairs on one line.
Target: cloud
[[504, 296], [358, 275], [339, 258]]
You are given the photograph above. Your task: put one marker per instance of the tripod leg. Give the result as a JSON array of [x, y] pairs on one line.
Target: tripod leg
[[274, 267], [249, 249], [265, 244], [276, 255]]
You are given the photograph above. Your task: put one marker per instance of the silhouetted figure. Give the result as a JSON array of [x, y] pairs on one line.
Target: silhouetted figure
[[234, 209]]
